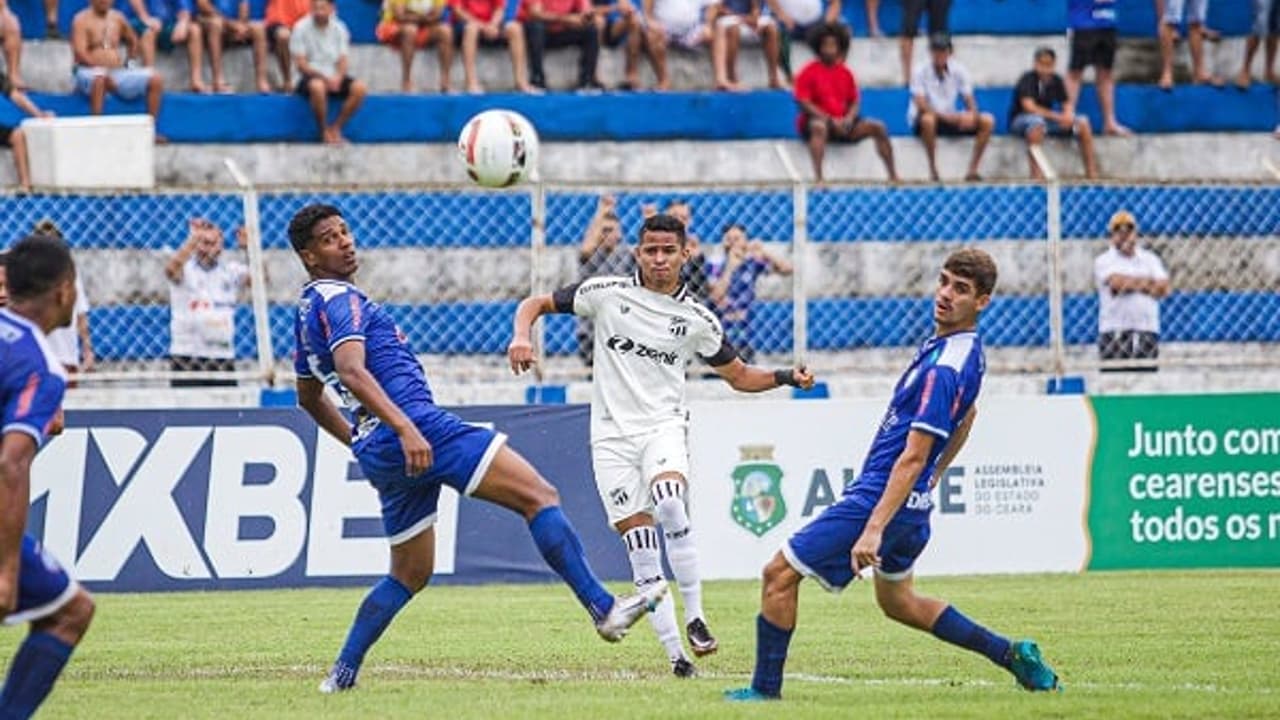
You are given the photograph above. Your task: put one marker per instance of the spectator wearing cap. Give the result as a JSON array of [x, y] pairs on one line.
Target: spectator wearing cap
[[936, 92], [830, 105], [1041, 107], [1131, 281], [1091, 25], [72, 345]]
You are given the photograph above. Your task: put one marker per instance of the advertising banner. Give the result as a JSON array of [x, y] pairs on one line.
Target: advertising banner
[[1013, 502], [1186, 481], [204, 499]]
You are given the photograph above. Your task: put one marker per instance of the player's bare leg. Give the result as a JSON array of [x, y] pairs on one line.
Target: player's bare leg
[[667, 492], [928, 123], [896, 595], [640, 537], [514, 484], [986, 124], [412, 562], [877, 131], [349, 107], [443, 37], [817, 145], [779, 600]]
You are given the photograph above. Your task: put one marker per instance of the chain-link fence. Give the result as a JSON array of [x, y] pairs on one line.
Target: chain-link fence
[[838, 277]]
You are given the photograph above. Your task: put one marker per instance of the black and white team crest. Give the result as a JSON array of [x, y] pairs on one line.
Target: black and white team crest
[[679, 326]]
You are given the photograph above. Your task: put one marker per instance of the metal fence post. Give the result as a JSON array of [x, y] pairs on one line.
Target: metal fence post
[[257, 275], [799, 258], [537, 255], [1053, 231]]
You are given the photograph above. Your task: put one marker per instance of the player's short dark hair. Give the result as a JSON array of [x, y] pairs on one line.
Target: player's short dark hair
[[839, 31], [35, 264], [975, 265], [304, 222], [1044, 50], [46, 226], [663, 222]]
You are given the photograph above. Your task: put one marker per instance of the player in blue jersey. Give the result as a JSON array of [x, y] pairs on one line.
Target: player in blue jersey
[[408, 448], [33, 586], [882, 521]]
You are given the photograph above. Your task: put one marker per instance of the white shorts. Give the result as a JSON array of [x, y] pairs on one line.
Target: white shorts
[[746, 34], [624, 467]]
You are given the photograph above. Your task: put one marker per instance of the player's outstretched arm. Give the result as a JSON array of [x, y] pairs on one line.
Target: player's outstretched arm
[[958, 439], [311, 398], [520, 351], [753, 378], [17, 449]]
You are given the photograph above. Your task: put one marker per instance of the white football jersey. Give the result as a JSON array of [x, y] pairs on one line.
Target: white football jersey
[[643, 342]]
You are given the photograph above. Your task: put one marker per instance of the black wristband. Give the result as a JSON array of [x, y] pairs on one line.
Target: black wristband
[[785, 376]]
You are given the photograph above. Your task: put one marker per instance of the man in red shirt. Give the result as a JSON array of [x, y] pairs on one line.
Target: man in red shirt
[[829, 102], [561, 23]]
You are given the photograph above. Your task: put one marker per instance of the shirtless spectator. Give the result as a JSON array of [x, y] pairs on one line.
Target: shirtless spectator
[[96, 36]]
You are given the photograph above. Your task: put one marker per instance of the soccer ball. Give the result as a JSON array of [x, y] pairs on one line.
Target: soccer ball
[[498, 148]]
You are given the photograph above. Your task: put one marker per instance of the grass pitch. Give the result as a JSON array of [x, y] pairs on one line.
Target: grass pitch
[[1194, 644]]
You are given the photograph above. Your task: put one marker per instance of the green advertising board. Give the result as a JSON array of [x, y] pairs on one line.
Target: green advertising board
[[1185, 481]]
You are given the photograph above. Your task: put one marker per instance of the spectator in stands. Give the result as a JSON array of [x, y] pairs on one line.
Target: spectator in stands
[[227, 22], [829, 102], [933, 110], [1041, 107], [1195, 12], [601, 253], [280, 18], [561, 23], [413, 24], [873, 18], [203, 290], [798, 19], [617, 23], [733, 285], [483, 22], [1266, 26], [11, 40], [684, 23], [939, 22], [741, 21], [71, 345], [166, 24], [97, 33], [320, 44], [12, 136], [1092, 28], [1131, 281]]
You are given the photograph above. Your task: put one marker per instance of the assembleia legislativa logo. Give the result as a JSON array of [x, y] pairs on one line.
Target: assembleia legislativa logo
[[758, 505]]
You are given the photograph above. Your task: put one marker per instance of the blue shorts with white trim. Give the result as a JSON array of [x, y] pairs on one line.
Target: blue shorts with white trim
[[461, 455], [43, 585], [821, 549]]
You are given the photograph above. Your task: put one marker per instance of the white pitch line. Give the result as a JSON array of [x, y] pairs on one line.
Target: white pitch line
[[562, 675]]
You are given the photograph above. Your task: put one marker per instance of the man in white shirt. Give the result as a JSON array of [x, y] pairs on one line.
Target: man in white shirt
[[647, 329], [320, 45], [1131, 281], [203, 290], [71, 345], [933, 110]]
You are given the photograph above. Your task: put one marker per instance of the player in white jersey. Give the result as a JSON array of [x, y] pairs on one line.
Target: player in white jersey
[[647, 329]]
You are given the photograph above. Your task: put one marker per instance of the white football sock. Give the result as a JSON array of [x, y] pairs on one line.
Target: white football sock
[[646, 568], [668, 502]]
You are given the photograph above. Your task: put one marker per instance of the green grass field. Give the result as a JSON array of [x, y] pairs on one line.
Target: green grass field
[[1194, 644]]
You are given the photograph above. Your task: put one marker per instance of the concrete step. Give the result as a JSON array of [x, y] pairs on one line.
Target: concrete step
[[994, 61]]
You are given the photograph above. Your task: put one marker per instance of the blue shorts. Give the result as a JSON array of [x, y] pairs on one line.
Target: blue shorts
[[131, 83], [820, 550], [1024, 123], [462, 454], [43, 586]]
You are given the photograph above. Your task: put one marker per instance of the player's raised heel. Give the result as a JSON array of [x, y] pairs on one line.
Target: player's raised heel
[[701, 641], [628, 610], [1030, 669], [340, 679], [748, 694]]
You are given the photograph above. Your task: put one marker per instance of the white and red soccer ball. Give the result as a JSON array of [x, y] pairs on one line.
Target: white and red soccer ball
[[498, 148]]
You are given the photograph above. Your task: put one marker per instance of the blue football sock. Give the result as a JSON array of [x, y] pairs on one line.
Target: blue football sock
[[375, 614], [771, 655], [561, 548], [957, 629], [31, 675]]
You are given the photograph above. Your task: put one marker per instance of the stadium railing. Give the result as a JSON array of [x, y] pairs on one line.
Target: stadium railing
[[451, 262]]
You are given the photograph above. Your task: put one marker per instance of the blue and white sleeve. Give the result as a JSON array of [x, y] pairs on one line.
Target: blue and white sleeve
[[342, 319], [33, 405], [935, 413]]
